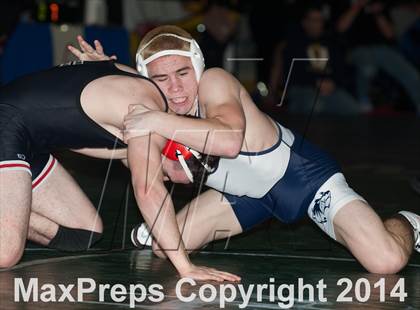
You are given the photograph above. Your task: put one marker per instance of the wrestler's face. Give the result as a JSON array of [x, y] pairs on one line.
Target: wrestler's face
[[173, 170], [175, 76]]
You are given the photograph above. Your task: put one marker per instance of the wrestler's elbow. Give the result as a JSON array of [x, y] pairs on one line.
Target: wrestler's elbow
[[232, 145]]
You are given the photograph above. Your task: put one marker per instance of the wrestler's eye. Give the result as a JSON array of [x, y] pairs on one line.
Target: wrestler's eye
[[183, 72], [162, 79]]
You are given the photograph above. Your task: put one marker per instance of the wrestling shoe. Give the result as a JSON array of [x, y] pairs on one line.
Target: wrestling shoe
[[414, 220], [140, 236]]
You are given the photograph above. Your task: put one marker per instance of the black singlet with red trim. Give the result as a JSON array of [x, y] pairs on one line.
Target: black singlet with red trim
[[43, 110]]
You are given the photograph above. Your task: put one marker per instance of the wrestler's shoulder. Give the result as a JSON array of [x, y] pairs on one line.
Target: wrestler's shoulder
[[218, 77], [219, 73]]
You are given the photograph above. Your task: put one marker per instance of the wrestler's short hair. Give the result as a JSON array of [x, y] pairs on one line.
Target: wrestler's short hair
[[199, 171], [164, 42]]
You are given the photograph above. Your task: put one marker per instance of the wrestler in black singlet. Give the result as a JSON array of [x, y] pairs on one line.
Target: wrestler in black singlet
[[41, 112]]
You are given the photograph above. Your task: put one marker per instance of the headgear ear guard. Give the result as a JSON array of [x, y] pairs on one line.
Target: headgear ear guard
[[177, 151], [195, 54]]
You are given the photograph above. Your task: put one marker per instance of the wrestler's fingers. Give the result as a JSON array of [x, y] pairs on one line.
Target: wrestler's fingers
[[128, 119], [137, 109], [132, 116], [229, 276], [223, 277], [204, 276], [134, 133], [86, 47], [80, 40], [98, 47], [74, 51], [226, 275], [132, 107]]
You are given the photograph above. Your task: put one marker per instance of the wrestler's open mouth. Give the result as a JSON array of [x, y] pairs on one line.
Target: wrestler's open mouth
[[179, 100]]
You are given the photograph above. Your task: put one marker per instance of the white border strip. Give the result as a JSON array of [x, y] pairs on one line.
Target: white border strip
[[44, 176], [27, 167]]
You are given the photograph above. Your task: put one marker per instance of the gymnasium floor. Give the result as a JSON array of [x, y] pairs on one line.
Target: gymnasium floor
[[378, 156]]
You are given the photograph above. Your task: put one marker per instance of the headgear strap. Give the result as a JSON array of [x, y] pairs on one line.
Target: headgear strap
[[177, 151], [195, 54]]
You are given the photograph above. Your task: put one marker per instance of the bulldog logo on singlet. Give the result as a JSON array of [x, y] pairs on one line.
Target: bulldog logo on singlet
[[321, 205]]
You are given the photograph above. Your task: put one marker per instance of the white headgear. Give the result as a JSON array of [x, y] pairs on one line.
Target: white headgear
[[194, 54]]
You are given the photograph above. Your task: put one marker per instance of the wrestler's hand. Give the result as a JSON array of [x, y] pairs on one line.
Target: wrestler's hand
[[202, 273], [87, 52], [138, 122]]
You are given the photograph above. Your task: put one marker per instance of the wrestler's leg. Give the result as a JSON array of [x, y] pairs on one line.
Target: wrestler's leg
[[346, 217], [207, 218], [15, 204], [59, 202], [381, 247], [41, 229]]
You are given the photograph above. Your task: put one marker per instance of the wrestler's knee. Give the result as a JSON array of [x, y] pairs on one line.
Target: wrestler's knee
[[92, 224], [387, 261], [97, 226], [10, 256]]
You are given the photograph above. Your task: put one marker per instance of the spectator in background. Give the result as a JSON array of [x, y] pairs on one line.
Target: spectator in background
[[410, 39], [10, 14], [220, 21], [370, 34], [310, 40], [268, 22]]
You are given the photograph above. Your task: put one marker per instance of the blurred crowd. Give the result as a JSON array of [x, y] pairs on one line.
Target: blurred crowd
[[344, 57]]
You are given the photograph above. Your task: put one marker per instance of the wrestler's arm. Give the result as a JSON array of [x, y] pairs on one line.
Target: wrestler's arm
[[225, 120], [125, 163], [153, 199], [102, 153], [155, 204], [138, 92]]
